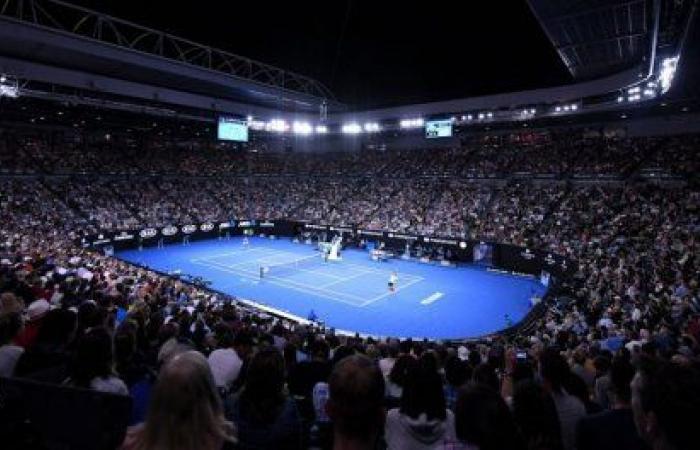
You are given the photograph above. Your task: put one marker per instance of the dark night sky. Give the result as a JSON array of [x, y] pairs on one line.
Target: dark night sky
[[371, 53]]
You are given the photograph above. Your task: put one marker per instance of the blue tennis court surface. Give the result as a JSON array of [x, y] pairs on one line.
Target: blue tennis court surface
[[352, 294]]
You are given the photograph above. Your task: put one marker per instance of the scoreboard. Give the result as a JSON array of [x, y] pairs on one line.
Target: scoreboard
[[438, 129], [232, 129]]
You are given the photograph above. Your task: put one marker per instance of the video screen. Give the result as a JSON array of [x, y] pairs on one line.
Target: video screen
[[438, 129], [232, 129]]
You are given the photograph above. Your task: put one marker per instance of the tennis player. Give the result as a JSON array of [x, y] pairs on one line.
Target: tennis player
[[245, 243], [393, 281]]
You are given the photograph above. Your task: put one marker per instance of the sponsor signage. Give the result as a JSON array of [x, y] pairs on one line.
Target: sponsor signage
[[315, 227], [370, 233], [266, 224], [189, 229], [123, 236], [405, 237], [342, 230], [169, 231], [147, 233], [206, 227], [225, 225], [440, 241]]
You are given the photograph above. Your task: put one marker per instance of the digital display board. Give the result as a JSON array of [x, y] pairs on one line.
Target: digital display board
[[438, 129], [232, 129]]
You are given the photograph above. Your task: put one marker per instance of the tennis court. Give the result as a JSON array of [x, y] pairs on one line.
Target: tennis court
[[352, 294]]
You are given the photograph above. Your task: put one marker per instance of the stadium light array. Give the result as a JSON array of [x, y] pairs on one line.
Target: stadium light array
[[257, 125], [481, 116], [490, 115], [302, 128], [8, 87], [351, 128], [321, 129], [372, 127], [277, 125], [411, 123], [566, 108]]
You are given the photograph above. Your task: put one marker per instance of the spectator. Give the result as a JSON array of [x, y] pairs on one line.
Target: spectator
[[483, 421], [307, 373], [612, 429], [47, 360], [225, 363], [398, 376], [10, 326], [422, 421], [93, 367], [356, 403], [457, 373], [185, 411], [536, 417], [555, 374], [389, 353], [665, 402], [10, 303], [35, 315], [265, 416]]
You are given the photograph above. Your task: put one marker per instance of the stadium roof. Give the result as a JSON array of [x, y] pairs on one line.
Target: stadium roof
[[55, 47], [597, 37], [57, 34]]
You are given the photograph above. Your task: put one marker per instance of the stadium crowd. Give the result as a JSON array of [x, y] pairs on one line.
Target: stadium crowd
[[613, 363]]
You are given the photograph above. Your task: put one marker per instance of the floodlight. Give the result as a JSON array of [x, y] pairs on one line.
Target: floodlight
[[351, 128], [667, 72], [321, 129], [303, 128]]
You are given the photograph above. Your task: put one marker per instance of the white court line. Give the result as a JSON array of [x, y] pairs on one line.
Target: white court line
[[277, 253], [431, 298], [341, 280], [359, 269], [273, 259], [319, 291], [255, 264], [290, 285], [236, 252], [403, 286]]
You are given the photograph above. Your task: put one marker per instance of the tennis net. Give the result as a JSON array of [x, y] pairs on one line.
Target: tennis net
[[289, 267]]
